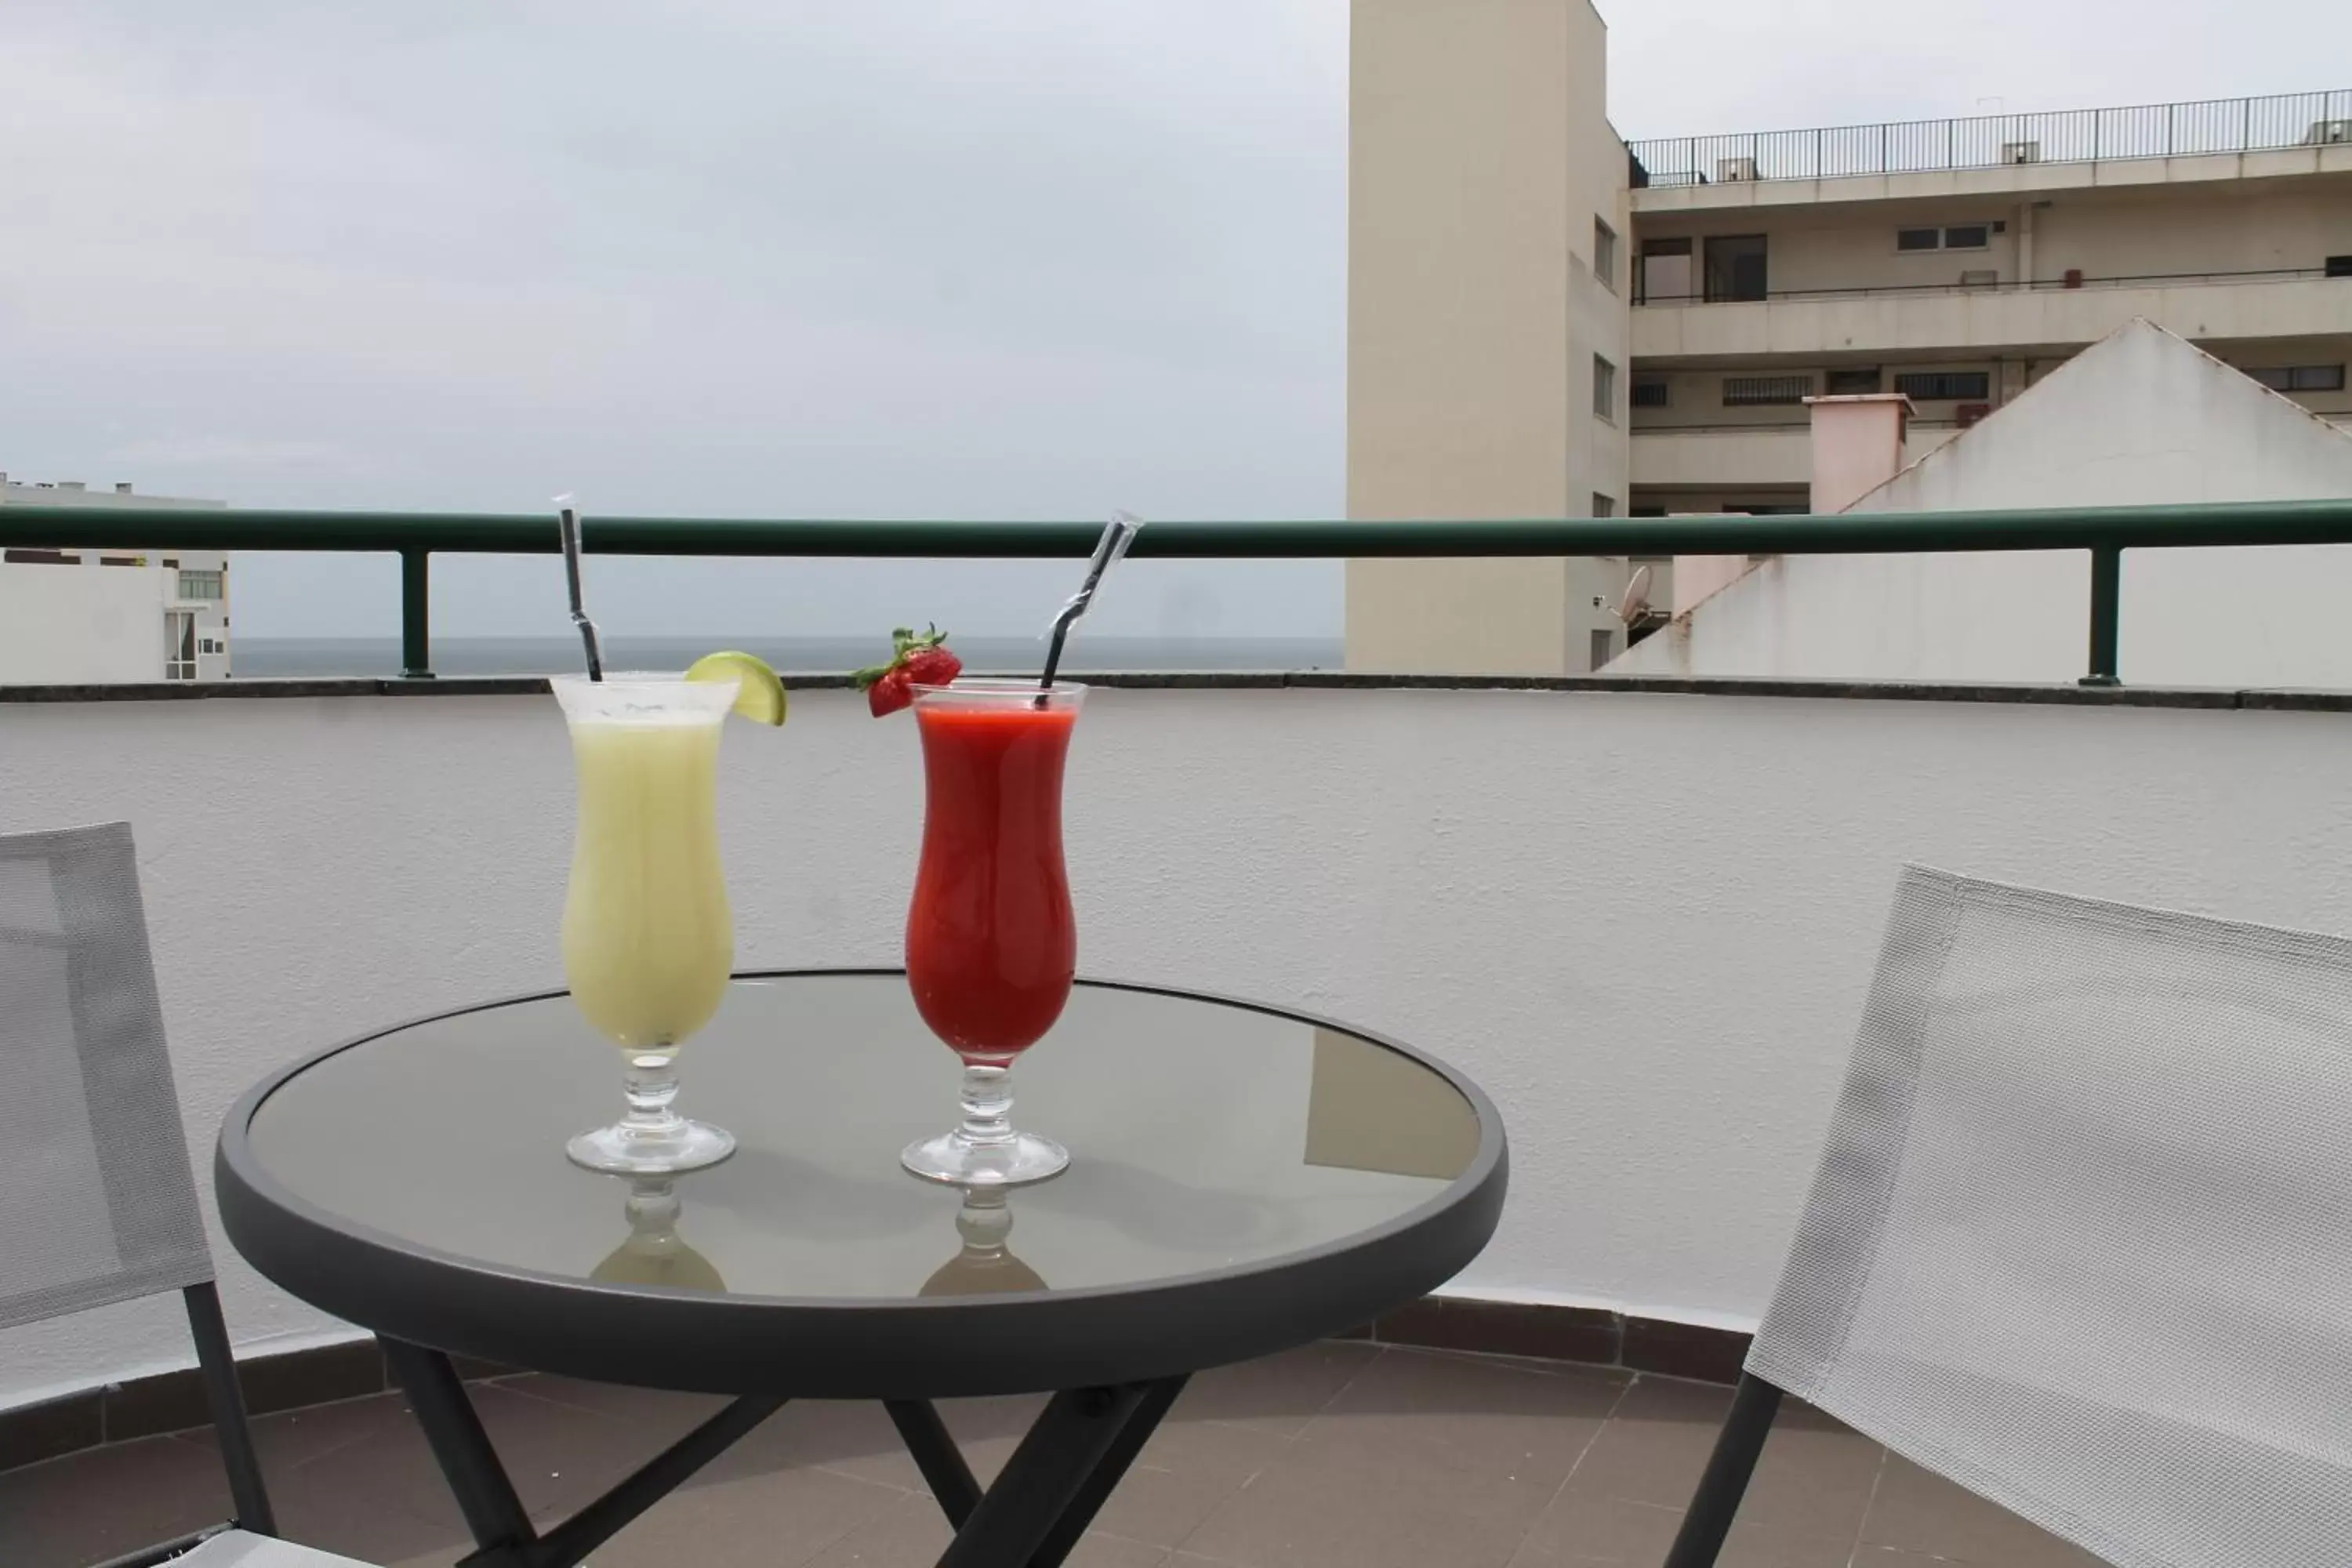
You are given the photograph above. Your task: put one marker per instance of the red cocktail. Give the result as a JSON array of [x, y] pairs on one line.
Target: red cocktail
[[991, 946]]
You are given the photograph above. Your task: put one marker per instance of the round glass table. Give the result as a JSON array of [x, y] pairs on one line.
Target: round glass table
[[1241, 1181]]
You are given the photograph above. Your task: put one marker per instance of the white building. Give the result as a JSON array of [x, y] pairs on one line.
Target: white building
[[2142, 419], [69, 616], [1546, 322]]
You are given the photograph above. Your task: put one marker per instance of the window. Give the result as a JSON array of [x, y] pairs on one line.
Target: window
[[1853, 383], [40, 558], [1957, 237], [1604, 253], [2300, 377], [1945, 385], [1604, 388], [1664, 271], [2339, 267], [200, 584], [1603, 506], [1735, 267], [1604, 647], [1649, 392], [1751, 391], [179, 644]]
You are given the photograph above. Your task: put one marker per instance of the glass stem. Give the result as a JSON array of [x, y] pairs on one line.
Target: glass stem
[[651, 1085], [987, 1105]]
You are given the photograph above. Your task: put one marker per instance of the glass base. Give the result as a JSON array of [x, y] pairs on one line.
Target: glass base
[[1014, 1161], [623, 1150]]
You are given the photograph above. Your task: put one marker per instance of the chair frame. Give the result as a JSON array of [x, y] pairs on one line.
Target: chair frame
[[1737, 1448], [216, 1367]]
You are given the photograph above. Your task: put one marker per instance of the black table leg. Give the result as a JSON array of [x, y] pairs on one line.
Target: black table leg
[[493, 1513], [1107, 1473], [503, 1531], [1065, 1467], [936, 1454]]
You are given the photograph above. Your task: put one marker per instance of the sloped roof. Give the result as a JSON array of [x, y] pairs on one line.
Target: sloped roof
[[2141, 417]]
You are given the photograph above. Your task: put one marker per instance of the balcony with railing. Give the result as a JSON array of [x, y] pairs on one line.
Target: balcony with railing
[[1994, 316], [2213, 127], [1671, 453], [1644, 915]]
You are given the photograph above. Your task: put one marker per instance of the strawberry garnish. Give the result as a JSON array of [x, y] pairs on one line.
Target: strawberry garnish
[[888, 693], [915, 660], [932, 666]]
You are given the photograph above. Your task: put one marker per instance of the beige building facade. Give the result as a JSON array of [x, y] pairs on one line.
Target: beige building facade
[[1509, 255], [1488, 372]]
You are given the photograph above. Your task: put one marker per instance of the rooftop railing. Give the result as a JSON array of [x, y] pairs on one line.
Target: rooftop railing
[[2219, 125], [416, 536], [2075, 283]]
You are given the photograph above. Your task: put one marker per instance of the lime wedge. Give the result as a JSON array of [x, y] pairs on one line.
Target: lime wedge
[[761, 695]]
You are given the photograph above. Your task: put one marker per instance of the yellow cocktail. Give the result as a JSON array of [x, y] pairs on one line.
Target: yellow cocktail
[[647, 937]]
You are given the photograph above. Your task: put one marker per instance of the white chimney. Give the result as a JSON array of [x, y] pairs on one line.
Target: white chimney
[[1857, 446]]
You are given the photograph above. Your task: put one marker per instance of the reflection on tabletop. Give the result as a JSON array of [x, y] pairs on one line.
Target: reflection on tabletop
[[983, 1268], [653, 1254]]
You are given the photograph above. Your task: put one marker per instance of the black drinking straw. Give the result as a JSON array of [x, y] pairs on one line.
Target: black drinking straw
[[568, 521], [1108, 549]]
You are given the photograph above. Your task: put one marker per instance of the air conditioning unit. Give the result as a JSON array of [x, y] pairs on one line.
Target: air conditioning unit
[[1968, 413], [1731, 170], [2020, 152], [1984, 279], [2328, 134]]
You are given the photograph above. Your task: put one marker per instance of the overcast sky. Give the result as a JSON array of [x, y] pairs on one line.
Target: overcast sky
[[856, 257]]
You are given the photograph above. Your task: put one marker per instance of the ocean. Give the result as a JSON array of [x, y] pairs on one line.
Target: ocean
[[263, 657]]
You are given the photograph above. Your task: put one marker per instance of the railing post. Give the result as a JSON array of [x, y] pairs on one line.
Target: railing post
[[416, 625], [2106, 613]]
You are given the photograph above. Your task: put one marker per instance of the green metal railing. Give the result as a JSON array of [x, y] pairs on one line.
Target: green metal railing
[[416, 536]]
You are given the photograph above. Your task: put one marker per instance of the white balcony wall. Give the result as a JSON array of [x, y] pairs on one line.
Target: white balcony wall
[[1643, 922], [78, 621], [1732, 457], [2142, 419], [1923, 324], [1710, 457], [2137, 234]]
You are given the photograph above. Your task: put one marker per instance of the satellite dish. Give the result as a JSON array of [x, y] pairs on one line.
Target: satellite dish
[[1636, 601]]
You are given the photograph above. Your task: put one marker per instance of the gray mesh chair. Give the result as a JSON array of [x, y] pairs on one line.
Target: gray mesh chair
[[2081, 1239], [97, 1204]]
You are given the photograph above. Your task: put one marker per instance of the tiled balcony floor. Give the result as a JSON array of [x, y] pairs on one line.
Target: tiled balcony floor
[[1346, 1455]]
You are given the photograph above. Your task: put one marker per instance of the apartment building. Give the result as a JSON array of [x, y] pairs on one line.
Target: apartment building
[[1545, 320], [126, 614], [1960, 261]]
